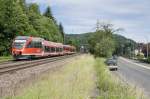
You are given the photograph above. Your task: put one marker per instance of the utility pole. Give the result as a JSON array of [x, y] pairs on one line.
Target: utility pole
[[147, 47], [133, 50], [147, 50]]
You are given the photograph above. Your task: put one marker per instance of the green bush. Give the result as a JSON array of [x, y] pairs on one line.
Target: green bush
[[140, 56], [148, 60]]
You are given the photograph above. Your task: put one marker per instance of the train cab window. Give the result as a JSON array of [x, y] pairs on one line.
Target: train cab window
[[19, 44]]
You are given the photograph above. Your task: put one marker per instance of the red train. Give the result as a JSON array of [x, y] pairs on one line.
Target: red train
[[25, 47]]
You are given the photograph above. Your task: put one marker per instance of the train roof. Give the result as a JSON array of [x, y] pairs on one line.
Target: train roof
[[69, 46], [22, 37], [28, 37], [66, 45], [37, 39], [49, 43]]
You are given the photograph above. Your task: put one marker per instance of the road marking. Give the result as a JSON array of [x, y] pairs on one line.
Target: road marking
[[140, 65]]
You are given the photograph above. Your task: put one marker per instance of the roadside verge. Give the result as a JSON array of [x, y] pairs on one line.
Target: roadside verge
[[111, 87]]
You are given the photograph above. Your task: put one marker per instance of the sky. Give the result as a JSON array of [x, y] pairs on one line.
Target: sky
[[80, 16]]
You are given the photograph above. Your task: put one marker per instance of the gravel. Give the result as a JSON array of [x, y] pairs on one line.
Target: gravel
[[12, 83]]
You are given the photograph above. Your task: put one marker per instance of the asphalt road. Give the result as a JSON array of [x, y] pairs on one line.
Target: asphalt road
[[135, 73]]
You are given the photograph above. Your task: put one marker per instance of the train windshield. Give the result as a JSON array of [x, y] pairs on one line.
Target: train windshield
[[18, 44]]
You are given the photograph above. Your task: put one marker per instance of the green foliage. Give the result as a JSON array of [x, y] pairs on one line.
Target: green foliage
[[18, 18], [48, 13], [78, 39], [5, 58], [102, 43], [124, 46], [74, 42], [13, 21], [104, 48], [146, 60], [121, 45], [61, 29], [140, 56]]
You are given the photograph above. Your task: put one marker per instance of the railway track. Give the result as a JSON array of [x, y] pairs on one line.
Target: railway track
[[15, 66]]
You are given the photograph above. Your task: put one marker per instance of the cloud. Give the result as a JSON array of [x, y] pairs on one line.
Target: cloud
[[80, 16]]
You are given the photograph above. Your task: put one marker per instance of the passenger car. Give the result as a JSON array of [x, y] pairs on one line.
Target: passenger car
[[112, 63]]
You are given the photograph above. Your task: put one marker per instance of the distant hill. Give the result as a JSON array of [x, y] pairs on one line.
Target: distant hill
[[123, 44], [83, 38]]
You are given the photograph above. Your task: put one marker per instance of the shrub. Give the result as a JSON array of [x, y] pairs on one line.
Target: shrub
[[140, 56]]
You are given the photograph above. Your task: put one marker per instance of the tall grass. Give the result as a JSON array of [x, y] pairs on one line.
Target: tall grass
[[5, 58], [73, 81], [112, 88]]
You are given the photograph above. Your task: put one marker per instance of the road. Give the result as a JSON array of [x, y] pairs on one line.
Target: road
[[135, 73]]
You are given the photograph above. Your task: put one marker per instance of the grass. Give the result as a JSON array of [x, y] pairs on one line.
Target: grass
[[111, 87], [77, 80], [5, 58], [73, 81]]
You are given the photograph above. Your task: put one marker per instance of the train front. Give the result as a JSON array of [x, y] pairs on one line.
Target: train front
[[18, 47]]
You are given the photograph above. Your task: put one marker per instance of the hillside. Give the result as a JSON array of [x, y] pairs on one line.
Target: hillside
[[123, 44], [83, 38]]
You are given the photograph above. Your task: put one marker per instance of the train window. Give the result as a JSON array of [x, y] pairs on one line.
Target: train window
[[30, 45], [34, 45], [57, 49], [61, 49], [38, 45], [65, 48], [53, 49], [47, 49]]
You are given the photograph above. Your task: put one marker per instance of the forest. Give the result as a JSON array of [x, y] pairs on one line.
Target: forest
[[19, 18]]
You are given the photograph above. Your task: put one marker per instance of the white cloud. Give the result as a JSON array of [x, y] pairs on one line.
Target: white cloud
[[80, 16]]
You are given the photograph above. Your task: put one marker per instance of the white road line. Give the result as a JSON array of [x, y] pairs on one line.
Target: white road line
[[140, 65]]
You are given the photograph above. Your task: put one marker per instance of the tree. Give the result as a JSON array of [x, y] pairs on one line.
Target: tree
[[124, 46], [61, 29], [48, 13], [14, 21], [18, 18], [23, 5], [102, 43], [104, 48], [45, 27]]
